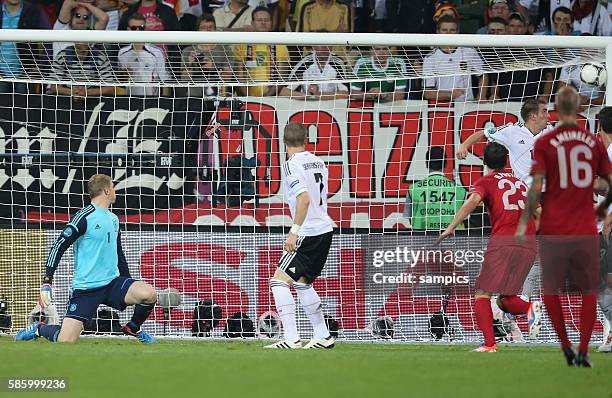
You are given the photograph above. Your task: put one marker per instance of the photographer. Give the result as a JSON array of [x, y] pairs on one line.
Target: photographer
[[205, 63]]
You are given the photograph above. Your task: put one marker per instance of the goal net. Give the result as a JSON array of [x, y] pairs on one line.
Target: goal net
[[190, 126]]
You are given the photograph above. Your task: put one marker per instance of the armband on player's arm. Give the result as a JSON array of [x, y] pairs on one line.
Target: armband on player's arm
[[121, 260]]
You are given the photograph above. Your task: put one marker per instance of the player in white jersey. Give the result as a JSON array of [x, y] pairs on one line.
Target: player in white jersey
[[519, 138], [307, 244], [604, 298]]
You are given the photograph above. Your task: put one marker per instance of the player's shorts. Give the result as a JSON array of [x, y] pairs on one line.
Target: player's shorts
[[83, 304], [309, 258], [505, 269], [570, 264]]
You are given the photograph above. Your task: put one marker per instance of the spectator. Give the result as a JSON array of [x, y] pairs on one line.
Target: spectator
[[497, 9], [562, 23], [380, 64], [445, 7], [591, 17], [205, 63], [543, 21], [78, 16], [237, 15], [517, 24], [86, 64], [432, 203], [143, 63], [321, 65], [497, 26], [273, 6], [17, 59], [159, 16], [329, 15], [261, 62], [462, 62], [523, 79]]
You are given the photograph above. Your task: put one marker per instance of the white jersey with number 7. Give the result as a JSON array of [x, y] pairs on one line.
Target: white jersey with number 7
[[305, 172]]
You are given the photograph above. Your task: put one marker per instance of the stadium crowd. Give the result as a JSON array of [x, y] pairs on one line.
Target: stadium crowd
[[259, 64]]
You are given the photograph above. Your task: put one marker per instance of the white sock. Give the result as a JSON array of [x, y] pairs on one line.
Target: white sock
[[311, 303], [530, 286], [285, 306], [604, 298]]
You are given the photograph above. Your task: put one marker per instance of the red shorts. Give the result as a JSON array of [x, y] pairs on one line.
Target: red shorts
[[570, 264], [505, 268]]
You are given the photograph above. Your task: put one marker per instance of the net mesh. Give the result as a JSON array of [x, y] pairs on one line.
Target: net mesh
[[192, 136]]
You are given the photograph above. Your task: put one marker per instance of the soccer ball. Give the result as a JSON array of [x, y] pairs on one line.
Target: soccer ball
[[593, 74]]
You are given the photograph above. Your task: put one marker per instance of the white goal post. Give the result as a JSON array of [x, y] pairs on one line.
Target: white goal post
[[197, 166]]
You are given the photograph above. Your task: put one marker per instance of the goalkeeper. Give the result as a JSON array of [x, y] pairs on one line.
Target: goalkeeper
[[101, 274]]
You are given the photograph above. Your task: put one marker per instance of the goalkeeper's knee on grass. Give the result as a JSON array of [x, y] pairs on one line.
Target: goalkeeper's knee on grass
[[50, 332]]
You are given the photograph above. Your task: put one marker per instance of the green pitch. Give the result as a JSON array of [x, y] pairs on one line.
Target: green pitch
[[173, 369]]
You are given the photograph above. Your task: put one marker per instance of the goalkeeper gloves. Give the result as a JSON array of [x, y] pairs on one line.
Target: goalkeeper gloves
[[46, 294]]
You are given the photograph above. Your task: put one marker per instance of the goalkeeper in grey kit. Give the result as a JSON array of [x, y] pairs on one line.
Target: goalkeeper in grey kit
[[101, 274], [307, 244]]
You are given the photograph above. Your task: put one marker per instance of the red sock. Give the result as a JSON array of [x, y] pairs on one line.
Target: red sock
[[555, 313], [484, 318], [588, 314], [514, 305]]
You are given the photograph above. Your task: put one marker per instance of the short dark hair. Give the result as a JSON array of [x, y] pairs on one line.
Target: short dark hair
[[435, 158], [294, 135], [208, 17], [529, 107], [605, 119], [564, 10], [498, 20], [447, 19], [260, 9], [495, 156], [517, 16]]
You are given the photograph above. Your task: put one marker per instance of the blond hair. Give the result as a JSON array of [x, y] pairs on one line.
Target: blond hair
[[294, 135], [567, 101], [97, 184]]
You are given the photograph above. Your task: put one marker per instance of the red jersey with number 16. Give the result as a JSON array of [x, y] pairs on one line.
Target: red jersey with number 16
[[504, 196], [570, 158]]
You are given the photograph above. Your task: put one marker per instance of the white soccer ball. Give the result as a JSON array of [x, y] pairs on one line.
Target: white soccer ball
[[594, 74]]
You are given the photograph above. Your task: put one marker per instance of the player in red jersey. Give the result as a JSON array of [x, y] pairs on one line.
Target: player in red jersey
[[506, 262], [568, 158]]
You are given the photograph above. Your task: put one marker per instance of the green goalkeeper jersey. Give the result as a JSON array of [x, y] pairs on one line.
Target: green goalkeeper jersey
[[433, 202], [365, 68]]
